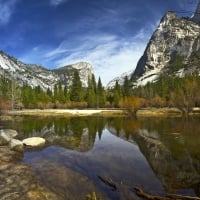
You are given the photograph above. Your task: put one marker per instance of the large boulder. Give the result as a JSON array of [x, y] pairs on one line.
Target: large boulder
[[16, 145], [34, 142]]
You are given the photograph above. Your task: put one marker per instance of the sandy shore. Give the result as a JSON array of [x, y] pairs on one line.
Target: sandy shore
[[145, 112], [69, 112]]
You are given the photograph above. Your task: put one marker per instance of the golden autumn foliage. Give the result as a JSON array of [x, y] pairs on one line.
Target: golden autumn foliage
[[4, 104], [158, 101], [132, 103]]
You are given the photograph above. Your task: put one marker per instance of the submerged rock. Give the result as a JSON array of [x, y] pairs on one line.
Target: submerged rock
[[18, 181], [34, 142]]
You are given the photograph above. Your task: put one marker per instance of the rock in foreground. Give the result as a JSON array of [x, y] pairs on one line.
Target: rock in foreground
[[34, 142], [18, 181], [16, 145]]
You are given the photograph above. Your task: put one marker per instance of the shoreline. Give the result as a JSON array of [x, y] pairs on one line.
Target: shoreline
[[144, 112], [69, 112]]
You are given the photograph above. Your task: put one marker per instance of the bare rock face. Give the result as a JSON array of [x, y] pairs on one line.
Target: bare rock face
[[66, 73], [35, 75], [174, 37]]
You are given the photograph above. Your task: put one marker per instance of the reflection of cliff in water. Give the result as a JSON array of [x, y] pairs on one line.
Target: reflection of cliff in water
[[171, 146], [73, 133]]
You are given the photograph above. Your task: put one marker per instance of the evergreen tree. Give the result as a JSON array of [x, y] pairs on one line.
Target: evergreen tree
[[66, 94], [127, 91], [28, 97], [61, 95], [55, 94], [117, 94], [90, 94], [4, 86], [14, 94], [101, 97], [76, 92]]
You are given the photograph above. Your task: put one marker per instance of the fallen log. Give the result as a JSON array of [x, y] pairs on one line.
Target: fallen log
[[141, 193], [182, 197], [108, 182]]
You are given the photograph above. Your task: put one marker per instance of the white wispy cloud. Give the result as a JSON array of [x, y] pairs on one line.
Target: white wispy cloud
[[6, 10], [110, 55], [57, 2]]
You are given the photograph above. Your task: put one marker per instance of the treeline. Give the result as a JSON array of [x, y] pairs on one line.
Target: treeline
[[171, 91], [168, 91], [12, 96]]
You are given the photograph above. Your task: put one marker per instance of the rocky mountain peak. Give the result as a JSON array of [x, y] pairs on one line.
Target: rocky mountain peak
[[173, 37], [66, 73], [196, 16], [36, 75]]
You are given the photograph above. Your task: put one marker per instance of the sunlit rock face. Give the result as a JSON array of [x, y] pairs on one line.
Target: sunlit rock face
[[66, 73], [196, 16], [173, 37], [35, 75]]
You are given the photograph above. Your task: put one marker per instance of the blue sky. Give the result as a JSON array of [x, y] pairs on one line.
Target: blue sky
[[109, 34]]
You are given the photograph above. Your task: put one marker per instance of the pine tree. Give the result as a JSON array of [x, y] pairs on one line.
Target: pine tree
[[90, 94], [101, 97], [76, 92], [28, 97], [14, 94], [117, 94], [127, 91]]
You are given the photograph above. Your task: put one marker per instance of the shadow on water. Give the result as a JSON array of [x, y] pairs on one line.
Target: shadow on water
[[159, 155]]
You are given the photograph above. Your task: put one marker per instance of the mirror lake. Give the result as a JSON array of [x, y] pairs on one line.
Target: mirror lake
[[159, 155]]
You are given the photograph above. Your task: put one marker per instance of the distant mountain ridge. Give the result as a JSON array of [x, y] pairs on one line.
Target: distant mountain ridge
[[66, 73], [174, 39], [36, 75]]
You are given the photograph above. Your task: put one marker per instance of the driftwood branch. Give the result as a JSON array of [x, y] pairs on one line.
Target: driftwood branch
[[141, 193], [181, 197], [109, 182]]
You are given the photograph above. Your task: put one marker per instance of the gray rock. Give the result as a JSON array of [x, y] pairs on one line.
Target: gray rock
[[4, 138], [16, 145], [34, 142], [174, 36], [12, 133], [18, 181]]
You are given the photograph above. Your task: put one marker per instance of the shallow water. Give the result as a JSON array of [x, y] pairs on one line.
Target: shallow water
[[159, 155]]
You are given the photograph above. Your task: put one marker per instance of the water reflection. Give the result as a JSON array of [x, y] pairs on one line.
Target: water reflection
[[171, 147], [73, 133]]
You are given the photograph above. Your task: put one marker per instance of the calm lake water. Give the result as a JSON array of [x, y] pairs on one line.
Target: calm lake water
[[159, 155]]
